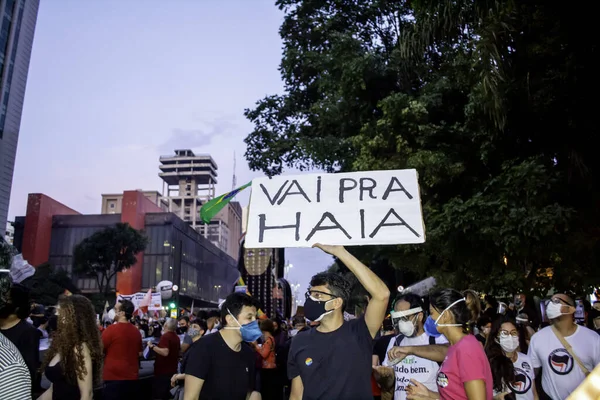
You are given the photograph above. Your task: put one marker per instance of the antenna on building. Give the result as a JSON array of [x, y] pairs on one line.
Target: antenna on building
[[234, 180]]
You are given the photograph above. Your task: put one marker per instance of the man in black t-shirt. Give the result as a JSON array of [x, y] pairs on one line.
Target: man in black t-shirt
[[333, 361], [221, 365]]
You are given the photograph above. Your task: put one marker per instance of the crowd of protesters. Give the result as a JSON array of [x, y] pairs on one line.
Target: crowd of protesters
[[447, 345]]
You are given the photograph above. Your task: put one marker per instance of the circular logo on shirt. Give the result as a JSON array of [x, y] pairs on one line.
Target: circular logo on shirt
[[442, 380], [560, 362], [308, 361], [522, 383], [525, 365]]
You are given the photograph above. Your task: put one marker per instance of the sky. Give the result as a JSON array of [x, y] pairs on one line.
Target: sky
[[114, 84]]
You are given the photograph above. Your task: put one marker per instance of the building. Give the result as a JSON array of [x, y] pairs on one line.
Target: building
[[16, 39], [9, 235], [50, 231], [113, 203], [188, 182]]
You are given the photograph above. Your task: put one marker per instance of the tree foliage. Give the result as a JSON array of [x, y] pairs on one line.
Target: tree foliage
[[107, 252], [48, 284], [488, 100]]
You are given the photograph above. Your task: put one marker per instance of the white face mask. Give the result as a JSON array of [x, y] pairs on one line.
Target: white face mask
[[553, 310], [407, 328], [509, 343]]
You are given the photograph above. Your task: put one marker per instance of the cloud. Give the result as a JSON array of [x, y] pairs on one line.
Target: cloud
[[195, 138]]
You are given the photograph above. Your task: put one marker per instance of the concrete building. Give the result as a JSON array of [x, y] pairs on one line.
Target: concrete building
[[16, 39], [113, 203], [50, 231], [188, 182], [9, 235]]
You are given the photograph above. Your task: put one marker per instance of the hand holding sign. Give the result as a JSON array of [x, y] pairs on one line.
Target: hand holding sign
[[335, 251]]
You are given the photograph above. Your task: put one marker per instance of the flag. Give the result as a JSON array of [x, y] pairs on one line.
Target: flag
[[212, 207], [145, 303]]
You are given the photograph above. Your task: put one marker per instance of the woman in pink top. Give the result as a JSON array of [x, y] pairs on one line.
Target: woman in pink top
[[465, 372]]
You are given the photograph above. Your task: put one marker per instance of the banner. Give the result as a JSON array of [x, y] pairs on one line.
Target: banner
[[357, 208], [137, 298]]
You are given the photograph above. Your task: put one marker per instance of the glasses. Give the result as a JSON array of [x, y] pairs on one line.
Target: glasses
[[507, 333], [558, 300], [318, 295]]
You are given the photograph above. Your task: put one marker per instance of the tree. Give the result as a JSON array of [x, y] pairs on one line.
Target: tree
[[487, 100], [107, 252], [48, 284]]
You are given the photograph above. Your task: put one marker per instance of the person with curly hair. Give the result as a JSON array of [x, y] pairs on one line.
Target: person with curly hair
[[512, 370], [73, 363]]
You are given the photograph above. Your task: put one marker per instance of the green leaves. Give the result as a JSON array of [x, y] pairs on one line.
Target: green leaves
[[488, 100]]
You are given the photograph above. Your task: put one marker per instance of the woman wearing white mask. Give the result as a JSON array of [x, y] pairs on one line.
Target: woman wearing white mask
[[408, 318], [512, 370], [465, 373]]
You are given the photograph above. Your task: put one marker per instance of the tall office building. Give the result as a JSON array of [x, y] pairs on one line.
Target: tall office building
[[188, 182], [16, 39]]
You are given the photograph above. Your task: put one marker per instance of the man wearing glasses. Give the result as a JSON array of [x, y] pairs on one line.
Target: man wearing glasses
[[564, 351], [333, 361]]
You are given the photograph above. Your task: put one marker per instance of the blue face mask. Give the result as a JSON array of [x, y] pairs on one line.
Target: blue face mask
[[431, 328], [250, 331]]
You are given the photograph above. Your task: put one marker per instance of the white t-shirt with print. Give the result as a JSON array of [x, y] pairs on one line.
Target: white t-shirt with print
[[413, 367], [524, 378], [561, 374]]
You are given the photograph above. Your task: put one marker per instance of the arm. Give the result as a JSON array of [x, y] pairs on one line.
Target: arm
[[433, 352], [193, 387], [297, 389], [475, 390], [16, 377], [86, 383], [375, 360], [535, 394], [164, 352], [47, 395], [254, 396], [266, 348], [379, 292]]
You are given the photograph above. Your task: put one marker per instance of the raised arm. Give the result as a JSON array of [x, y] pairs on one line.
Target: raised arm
[[378, 291]]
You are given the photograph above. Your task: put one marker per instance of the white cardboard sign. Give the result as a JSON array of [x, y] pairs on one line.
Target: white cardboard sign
[[137, 298], [357, 208]]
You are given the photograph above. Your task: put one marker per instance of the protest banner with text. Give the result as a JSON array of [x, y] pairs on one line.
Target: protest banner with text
[[137, 298], [358, 208]]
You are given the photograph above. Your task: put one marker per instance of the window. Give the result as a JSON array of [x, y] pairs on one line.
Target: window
[[112, 205]]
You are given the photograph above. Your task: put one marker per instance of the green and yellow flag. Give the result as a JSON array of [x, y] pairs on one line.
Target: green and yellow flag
[[212, 207]]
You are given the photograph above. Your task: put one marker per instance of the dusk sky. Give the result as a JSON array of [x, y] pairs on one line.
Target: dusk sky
[[115, 84]]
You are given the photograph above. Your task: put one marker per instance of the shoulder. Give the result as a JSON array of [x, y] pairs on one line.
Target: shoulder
[[590, 335]]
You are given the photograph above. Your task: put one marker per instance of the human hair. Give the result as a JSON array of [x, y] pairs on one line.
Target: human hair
[[76, 327], [338, 285], [234, 303], [171, 324], [201, 314], [298, 320], [185, 318], [19, 298], [127, 307], [441, 299], [202, 324], [267, 325], [491, 300], [503, 371], [213, 314], [414, 300], [473, 303], [483, 321]]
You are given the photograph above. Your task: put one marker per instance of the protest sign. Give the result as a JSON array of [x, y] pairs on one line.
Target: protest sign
[[137, 298], [358, 208]]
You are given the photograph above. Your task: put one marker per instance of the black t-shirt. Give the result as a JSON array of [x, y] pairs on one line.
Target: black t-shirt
[[26, 338], [381, 346], [334, 365], [227, 374]]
